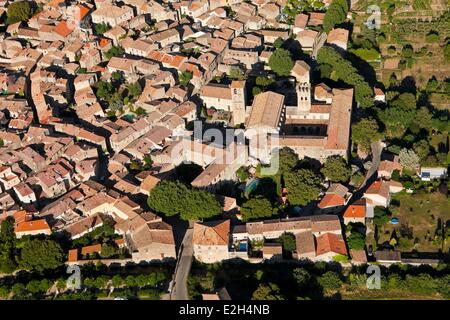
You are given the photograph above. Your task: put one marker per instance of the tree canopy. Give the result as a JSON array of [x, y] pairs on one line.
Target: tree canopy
[[336, 14], [356, 241], [287, 159], [281, 62], [336, 169], [19, 11], [399, 115], [236, 73], [330, 280], [256, 208], [115, 51], [303, 186], [288, 241], [41, 255], [268, 291], [185, 77], [365, 132], [173, 197], [345, 71], [7, 246]]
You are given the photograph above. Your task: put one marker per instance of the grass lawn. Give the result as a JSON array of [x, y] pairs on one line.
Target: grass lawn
[[420, 212], [349, 293]]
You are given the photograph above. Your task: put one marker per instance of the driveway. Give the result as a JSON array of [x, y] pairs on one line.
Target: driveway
[[179, 285]]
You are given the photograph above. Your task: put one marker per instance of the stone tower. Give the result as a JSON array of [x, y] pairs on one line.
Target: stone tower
[[238, 101], [301, 72], [303, 97]]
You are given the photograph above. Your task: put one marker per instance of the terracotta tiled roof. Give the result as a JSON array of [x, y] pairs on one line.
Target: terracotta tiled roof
[[305, 242], [330, 242], [33, 225], [301, 20], [358, 255], [379, 187], [63, 29], [331, 200], [214, 233], [356, 210], [95, 248], [339, 126], [73, 255], [216, 91]]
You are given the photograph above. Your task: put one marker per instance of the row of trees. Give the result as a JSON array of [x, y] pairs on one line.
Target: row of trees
[[343, 69], [336, 14], [318, 280], [38, 289]]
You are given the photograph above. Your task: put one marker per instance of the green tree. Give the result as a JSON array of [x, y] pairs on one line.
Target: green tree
[[268, 291], [130, 281], [278, 42], [330, 281], [115, 51], [109, 250], [185, 77], [422, 149], [423, 119], [41, 255], [104, 89], [409, 159], [399, 115], [7, 246], [281, 62], [336, 14], [101, 28], [344, 70], [167, 197], [264, 82], [356, 241], [236, 73], [256, 90], [117, 281], [380, 216], [365, 132], [336, 169], [256, 208], [288, 241], [303, 186], [199, 204], [302, 278], [173, 197], [287, 159], [19, 11], [134, 90]]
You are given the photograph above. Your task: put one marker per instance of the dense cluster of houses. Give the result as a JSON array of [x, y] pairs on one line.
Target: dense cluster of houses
[[67, 174]]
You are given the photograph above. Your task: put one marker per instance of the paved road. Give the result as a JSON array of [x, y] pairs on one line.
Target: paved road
[[320, 43], [377, 148], [179, 285]]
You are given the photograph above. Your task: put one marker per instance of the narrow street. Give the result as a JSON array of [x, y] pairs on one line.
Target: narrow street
[[179, 286], [319, 44], [377, 148]]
